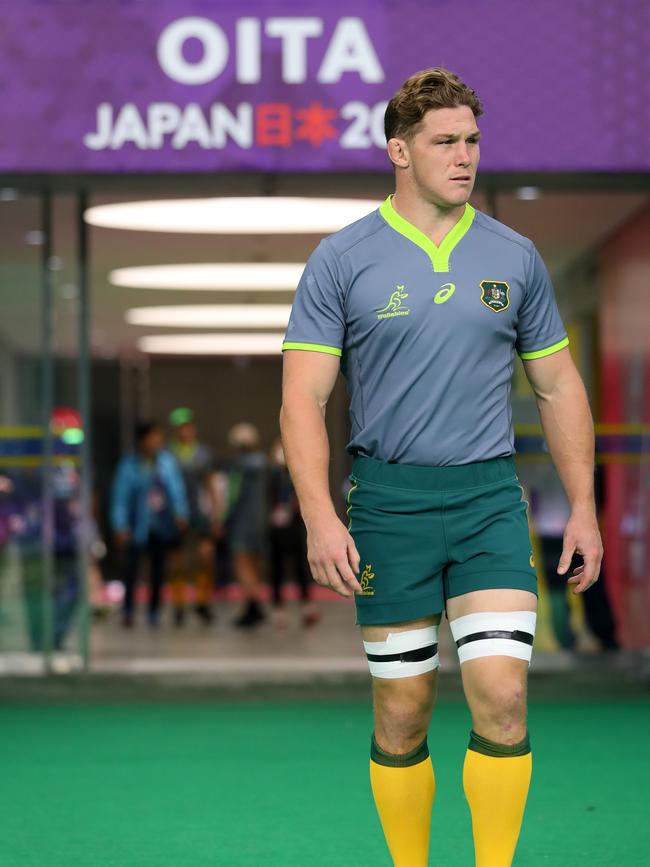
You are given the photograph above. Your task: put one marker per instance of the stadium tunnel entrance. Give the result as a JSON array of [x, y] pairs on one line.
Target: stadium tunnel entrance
[[81, 370]]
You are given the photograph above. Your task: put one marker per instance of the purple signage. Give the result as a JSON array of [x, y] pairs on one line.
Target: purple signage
[[276, 85]]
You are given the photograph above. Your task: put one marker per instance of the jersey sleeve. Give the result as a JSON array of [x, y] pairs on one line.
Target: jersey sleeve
[[317, 321], [540, 330]]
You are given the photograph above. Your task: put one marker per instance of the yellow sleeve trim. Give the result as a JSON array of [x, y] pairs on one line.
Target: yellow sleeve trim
[[540, 353], [313, 347]]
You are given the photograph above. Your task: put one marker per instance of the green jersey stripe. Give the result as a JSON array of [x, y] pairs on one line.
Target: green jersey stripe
[[541, 353], [313, 347]]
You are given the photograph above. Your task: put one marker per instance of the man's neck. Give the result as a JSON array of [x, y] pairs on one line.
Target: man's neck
[[433, 221]]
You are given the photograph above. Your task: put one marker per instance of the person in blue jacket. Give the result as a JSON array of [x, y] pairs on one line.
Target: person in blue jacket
[[149, 514]]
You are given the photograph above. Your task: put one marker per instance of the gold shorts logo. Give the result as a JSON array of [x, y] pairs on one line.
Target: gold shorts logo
[[366, 577], [394, 306]]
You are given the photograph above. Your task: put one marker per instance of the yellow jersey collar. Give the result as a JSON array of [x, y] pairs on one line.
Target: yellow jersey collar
[[439, 256]]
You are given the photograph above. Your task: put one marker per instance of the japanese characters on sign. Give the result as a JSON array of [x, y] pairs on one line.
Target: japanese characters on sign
[[198, 86]]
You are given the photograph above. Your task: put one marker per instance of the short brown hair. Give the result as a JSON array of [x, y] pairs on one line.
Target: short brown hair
[[435, 87]]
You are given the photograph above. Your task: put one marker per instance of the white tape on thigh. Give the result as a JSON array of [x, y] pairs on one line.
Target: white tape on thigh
[[404, 654], [494, 633]]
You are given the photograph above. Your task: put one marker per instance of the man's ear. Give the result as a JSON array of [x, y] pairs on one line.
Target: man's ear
[[398, 153]]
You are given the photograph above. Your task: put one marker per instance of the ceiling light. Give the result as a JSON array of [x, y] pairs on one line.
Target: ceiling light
[[528, 194], [212, 316], [212, 344], [249, 215], [243, 277]]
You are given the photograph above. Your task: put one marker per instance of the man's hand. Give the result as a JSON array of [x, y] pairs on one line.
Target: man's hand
[[582, 537], [332, 555]]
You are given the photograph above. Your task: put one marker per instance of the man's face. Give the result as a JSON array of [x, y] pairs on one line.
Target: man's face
[[443, 156], [153, 442], [186, 432]]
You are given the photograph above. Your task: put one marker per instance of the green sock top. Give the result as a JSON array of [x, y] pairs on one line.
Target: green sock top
[[381, 757], [499, 751]]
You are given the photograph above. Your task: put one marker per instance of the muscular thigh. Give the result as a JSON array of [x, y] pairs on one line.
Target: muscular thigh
[[497, 628], [381, 632], [403, 660], [490, 600], [493, 630]]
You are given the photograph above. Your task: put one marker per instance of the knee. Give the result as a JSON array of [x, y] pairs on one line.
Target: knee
[[500, 714], [403, 712]]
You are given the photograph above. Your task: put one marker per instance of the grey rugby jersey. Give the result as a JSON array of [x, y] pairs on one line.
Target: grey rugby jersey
[[427, 335]]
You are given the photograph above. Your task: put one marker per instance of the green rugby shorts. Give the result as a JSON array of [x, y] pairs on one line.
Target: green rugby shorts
[[425, 534]]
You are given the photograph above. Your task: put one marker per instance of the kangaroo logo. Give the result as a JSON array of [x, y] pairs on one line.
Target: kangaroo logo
[[366, 577], [394, 306]]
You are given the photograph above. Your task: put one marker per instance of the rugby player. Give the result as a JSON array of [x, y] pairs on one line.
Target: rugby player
[[422, 305]]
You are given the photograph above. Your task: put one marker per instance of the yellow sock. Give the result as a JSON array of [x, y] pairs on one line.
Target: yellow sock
[[403, 788], [496, 779]]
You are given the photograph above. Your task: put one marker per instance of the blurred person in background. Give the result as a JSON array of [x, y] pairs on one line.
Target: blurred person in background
[[24, 510], [246, 519], [6, 490], [193, 560], [98, 602], [551, 511], [598, 609], [287, 540], [26, 528], [149, 514]]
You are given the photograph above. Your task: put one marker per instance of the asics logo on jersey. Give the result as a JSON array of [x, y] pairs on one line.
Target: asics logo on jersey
[[394, 306], [366, 577], [444, 293]]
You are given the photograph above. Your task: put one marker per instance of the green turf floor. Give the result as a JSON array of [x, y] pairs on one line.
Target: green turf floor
[[285, 785]]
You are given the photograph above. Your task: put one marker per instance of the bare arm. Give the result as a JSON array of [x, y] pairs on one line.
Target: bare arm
[[217, 482], [569, 431], [308, 380]]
